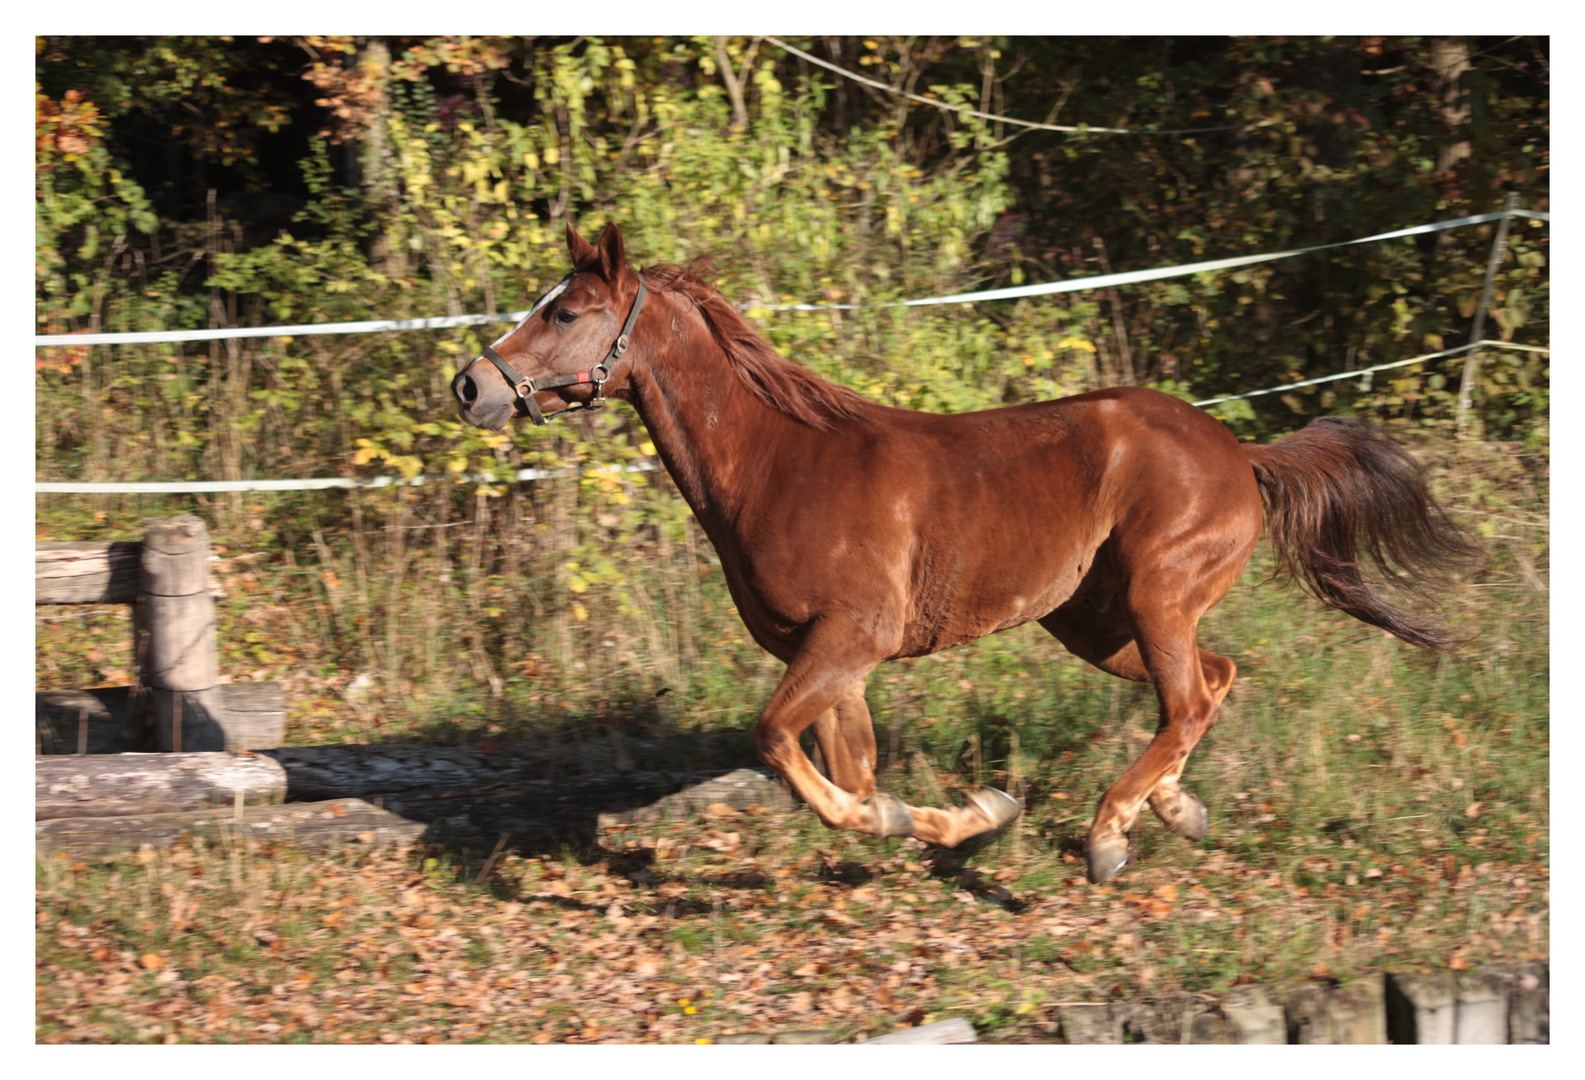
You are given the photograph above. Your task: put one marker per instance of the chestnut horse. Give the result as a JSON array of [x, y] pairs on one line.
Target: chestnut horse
[[852, 533]]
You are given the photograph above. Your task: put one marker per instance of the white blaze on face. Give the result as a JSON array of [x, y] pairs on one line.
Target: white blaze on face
[[539, 305]]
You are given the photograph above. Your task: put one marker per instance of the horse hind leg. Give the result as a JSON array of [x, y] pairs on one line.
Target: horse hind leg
[[1106, 640], [1180, 811], [1188, 704]]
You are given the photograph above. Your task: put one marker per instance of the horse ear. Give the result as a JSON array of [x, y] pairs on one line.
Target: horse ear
[[578, 249], [612, 255]]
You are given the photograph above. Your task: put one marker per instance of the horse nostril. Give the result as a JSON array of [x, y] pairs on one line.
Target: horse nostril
[[463, 388]]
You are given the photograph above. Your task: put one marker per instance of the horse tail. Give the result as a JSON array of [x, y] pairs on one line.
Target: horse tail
[[1337, 495]]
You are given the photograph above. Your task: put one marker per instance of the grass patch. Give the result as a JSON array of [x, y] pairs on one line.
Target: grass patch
[[1372, 808]]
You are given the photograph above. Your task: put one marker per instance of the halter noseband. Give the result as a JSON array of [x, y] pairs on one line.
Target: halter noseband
[[526, 388]]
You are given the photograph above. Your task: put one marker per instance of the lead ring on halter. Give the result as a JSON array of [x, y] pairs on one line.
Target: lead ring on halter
[[526, 388]]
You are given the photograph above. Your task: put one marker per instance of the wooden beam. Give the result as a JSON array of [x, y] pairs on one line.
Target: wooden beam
[[86, 573]]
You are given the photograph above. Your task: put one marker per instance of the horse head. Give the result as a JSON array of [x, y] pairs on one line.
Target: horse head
[[567, 352]]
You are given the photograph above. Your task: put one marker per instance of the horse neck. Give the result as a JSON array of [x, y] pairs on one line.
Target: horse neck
[[714, 436]]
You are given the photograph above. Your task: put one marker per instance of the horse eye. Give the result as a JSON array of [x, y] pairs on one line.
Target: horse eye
[[565, 317]]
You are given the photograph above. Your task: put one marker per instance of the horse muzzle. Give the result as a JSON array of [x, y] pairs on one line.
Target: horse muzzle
[[475, 407]]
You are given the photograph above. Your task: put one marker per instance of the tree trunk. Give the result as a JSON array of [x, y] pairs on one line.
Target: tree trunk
[[377, 171], [1449, 60]]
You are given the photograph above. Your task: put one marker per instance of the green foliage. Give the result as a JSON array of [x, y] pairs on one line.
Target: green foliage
[[463, 589]]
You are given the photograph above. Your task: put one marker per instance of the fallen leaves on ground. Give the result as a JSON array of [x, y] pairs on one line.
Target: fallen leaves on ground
[[684, 932]]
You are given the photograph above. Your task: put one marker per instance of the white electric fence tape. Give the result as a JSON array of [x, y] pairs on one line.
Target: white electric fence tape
[[1074, 285], [168, 487], [1378, 367], [446, 322], [1133, 277], [375, 326], [172, 487]]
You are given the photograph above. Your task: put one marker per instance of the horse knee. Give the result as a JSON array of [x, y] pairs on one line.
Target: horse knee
[[774, 744]]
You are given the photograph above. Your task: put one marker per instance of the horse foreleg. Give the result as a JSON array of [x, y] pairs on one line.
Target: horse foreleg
[[847, 743], [846, 738], [984, 810], [824, 686]]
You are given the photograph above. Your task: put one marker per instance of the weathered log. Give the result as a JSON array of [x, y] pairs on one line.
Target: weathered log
[[546, 813], [1466, 1008], [120, 718], [1501, 1003], [93, 572], [255, 715], [1529, 1003], [1482, 1018], [542, 813], [942, 1033], [1090, 1025], [313, 826], [1202, 1024], [104, 572], [117, 785]]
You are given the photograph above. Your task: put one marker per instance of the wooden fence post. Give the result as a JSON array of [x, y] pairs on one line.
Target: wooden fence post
[[1499, 248], [181, 665]]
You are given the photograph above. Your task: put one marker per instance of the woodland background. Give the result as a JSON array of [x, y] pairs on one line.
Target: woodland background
[[189, 182]]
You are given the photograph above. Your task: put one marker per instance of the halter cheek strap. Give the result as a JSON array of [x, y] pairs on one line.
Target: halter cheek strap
[[526, 388]]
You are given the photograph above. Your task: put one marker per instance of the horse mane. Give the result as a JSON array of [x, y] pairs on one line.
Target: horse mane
[[792, 390]]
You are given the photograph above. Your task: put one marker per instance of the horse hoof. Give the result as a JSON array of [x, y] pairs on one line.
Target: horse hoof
[[1105, 859], [1185, 817], [892, 817], [995, 804]]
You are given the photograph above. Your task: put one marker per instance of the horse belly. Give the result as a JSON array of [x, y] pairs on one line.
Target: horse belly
[[961, 596]]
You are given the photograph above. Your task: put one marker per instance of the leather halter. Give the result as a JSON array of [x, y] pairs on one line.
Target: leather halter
[[526, 388]]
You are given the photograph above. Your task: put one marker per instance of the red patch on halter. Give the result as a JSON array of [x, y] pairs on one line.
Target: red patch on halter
[[583, 376]]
